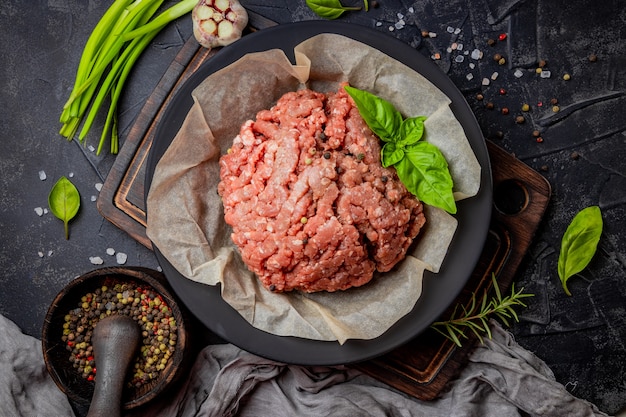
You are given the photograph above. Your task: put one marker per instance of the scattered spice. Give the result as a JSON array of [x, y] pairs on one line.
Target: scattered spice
[[497, 57], [544, 168], [567, 77], [489, 105], [502, 36], [536, 133], [556, 109], [574, 156], [520, 120], [502, 91], [491, 42], [145, 306], [542, 63], [593, 58], [502, 61], [505, 110], [525, 107], [539, 140], [554, 101], [479, 97]]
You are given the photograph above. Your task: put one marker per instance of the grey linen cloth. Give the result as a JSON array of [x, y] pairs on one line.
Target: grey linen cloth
[[501, 379]]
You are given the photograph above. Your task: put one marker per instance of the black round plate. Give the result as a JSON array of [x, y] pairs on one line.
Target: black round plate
[[439, 290]]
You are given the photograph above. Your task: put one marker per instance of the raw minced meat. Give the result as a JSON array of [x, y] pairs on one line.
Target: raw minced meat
[[310, 205]]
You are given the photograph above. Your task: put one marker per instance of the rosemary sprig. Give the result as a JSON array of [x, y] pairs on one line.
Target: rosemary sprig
[[476, 320]]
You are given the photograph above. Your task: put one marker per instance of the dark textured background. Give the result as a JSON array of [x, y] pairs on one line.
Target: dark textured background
[[583, 153]]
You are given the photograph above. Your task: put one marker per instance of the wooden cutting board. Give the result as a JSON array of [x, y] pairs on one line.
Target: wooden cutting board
[[423, 366]]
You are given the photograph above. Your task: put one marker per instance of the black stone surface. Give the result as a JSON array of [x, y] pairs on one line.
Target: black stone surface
[[583, 152]]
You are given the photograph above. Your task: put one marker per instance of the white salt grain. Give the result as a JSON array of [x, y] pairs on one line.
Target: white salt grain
[[472, 65], [545, 74], [518, 73], [485, 81], [93, 198], [110, 251], [121, 258], [98, 186], [459, 58], [40, 253], [71, 175], [494, 76], [45, 211], [96, 260], [379, 24], [457, 31], [450, 29], [477, 54], [50, 253], [411, 9], [91, 148], [42, 175], [39, 211], [432, 35], [469, 76]]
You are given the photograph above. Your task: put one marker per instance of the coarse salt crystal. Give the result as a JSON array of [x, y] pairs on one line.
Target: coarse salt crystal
[[42, 175], [472, 65], [96, 260], [469, 76], [50, 253], [457, 31], [379, 24], [93, 198], [432, 35], [518, 73], [494, 76], [477, 54], [485, 81], [71, 175], [450, 29], [121, 258], [459, 46], [110, 251], [39, 211], [40, 253], [45, 211], [391, 28], [545, 74], [400, 16], [449, 49], [91, 148], [400, 24], [98, 186], [459, 58], [411, 9]]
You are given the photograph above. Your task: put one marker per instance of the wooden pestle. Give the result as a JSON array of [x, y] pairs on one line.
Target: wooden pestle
[[115, 341]]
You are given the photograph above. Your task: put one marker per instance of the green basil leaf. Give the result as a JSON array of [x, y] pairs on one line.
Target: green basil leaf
[[64, 201], [390, 154], [412, 130], [380, 115], [328, 9], [579, 243], [424, 172]]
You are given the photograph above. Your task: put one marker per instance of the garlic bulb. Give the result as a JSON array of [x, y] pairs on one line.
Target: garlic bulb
[[218, 22]]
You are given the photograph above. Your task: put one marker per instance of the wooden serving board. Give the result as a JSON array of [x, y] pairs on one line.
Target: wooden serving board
[[423, 366]]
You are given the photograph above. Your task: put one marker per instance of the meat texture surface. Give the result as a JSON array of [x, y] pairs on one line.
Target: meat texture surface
[[310, 205]]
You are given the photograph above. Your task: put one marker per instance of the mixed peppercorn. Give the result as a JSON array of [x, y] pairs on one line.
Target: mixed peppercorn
[[145, 306]]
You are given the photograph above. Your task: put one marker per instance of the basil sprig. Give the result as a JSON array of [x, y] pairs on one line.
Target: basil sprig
[[329, 9], [64, 201], [579, 243], [420, 165]]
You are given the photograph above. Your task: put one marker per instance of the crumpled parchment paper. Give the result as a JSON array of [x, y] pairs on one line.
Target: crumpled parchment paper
[[185, 214]]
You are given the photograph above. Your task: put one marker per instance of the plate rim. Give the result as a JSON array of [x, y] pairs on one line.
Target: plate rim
[[238, 331]]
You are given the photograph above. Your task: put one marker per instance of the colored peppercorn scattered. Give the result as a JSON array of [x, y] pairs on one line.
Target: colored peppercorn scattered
[[593, 58], [145, 306], [525, 107], [502, 36], [502, 91], [489, 105], [497, 57], [556, 109], [539, 139], [491, 42], [574, 155], [479, 97], [505, 110], [567, 77], [520, 120]]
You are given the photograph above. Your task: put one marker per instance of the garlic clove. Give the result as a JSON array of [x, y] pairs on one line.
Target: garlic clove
[[218, 22]]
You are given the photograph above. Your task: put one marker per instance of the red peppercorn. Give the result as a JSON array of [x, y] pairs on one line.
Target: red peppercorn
[[539, 139], [502, 37], [90, 378], [505, 110], [502, 91]]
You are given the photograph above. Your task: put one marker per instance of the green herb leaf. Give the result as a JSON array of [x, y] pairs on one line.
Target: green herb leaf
[[379, 114], [424, 172], [579, 243], [391, 154], [420, 165], [328, 9], [412, 130], [64, 202]]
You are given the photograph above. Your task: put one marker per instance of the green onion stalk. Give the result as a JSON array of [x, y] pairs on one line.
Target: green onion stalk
[[115, 44]]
